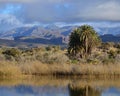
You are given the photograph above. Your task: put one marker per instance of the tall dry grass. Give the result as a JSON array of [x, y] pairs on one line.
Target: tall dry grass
[[9, 69], [37, 68]]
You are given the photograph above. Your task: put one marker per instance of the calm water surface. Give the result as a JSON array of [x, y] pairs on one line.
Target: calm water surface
[[59, 87]]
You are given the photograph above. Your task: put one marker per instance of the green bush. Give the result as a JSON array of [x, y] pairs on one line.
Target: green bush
[[74, 61], [107, 45], [12, 52], [108, 61], [112, 54]]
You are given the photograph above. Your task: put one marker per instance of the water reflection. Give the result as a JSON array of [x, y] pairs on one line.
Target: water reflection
[[83, 91], [59, 87], [22, 90]]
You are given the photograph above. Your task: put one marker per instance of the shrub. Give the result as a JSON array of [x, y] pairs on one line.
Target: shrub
[[112, 54], [108, 61], [117, 45], [107, 45], [74, 61], [12, 52], [52, 57]]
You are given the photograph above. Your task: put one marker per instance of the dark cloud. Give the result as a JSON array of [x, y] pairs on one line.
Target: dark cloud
[[69, 11]]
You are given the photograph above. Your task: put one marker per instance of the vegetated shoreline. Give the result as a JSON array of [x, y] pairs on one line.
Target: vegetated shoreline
[[81, 70], [52, 61], [36, 68]]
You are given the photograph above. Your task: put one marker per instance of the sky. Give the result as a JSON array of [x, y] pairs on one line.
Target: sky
[[15, 13]]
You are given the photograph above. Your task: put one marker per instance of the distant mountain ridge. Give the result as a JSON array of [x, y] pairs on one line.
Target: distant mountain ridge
[[53, 34], [110, 38], [50, 31], [42, 32]]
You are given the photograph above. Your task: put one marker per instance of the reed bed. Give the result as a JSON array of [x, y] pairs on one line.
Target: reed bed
[[38, 68]]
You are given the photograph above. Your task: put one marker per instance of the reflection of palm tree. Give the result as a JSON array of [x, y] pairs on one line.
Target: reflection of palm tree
[[83, 91]]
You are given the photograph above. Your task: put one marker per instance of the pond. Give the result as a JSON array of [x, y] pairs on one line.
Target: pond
[[44, 86]]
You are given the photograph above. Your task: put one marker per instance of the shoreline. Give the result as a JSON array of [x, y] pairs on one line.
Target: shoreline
[[38, 69], [58, 81]]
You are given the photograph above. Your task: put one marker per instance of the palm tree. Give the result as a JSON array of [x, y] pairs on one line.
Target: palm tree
[[74, 43], [82, 40]]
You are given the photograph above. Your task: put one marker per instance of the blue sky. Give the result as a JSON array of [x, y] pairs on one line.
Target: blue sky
[[15, 13]]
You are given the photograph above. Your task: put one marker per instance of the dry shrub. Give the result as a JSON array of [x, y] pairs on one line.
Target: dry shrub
[[52, 57]]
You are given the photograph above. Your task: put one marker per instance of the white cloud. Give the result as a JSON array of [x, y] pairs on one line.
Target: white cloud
[[104, 11], [9, 19], [8, 22], [69, 11], [94, 24], [109, 5]]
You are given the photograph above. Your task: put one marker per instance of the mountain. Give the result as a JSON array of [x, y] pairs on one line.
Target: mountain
[[20, 44], [28, 31], [54, 41], [52, 34], [47, 32], [110, 38], [112, 30]]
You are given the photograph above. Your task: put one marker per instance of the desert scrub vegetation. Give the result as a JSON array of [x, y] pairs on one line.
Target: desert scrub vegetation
[[47, 55], [51, 60], [42, 60], [86, 55]]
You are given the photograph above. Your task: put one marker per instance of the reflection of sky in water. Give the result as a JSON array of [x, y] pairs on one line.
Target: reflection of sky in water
[[111, 92], [33, 91], [22, 90]]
